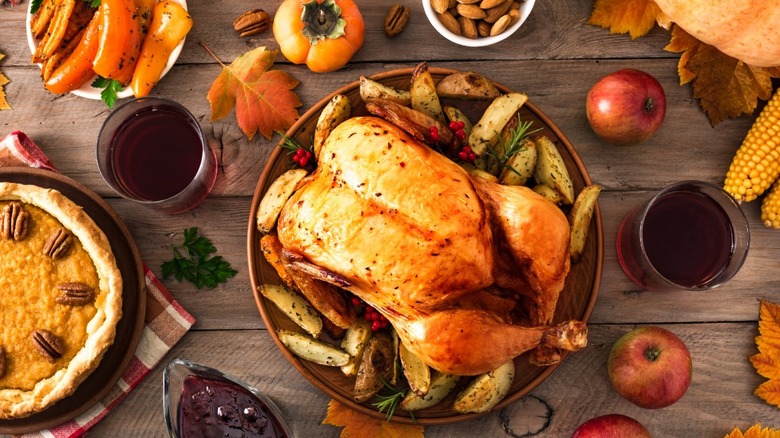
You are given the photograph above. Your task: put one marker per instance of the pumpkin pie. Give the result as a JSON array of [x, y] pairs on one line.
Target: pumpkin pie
[[60, 299]]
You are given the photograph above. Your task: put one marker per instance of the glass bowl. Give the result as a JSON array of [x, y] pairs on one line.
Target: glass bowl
[[207, 392]]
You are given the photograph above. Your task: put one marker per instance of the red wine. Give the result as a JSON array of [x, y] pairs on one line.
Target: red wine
[[156, 153], [688, 238]]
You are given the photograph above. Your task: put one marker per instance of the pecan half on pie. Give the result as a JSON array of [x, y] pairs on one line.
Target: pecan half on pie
[[60, 298]]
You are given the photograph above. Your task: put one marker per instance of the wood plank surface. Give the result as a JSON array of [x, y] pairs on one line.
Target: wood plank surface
[[554, 58]]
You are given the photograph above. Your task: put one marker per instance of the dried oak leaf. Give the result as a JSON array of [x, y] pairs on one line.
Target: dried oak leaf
[[725, 87], [3, 80], [263, 98], [767, 361], [755, 431], [357, 425], [635, 17]]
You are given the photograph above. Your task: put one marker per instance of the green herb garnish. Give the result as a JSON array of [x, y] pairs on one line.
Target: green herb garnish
[[513, 145], [35, 5], [110, 89], [193, 262], [389, 402]]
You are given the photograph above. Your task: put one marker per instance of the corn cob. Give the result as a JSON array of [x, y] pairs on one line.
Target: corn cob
[[756, 165], [770, 207]]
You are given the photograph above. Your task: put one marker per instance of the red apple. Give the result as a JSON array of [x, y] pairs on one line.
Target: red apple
[[611, 426], [650, 366], [626, 107]]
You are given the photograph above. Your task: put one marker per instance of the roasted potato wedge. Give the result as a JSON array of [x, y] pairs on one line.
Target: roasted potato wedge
[[294, 306], [441, 385], [423, 93], [376, 366], [456, 115], [355, 342], [486, 390], [336, 111], [276, 196], [467, 85], [311, 349], [579, 217], [417, 372], [373, 90], [551, 169], [520, 166], [486, 131], [548, 193]]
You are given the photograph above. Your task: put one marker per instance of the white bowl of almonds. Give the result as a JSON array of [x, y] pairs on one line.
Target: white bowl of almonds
[[477, 23]]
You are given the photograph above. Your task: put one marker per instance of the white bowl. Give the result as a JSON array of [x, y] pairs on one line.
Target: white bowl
[[525, 10], [87, 90]]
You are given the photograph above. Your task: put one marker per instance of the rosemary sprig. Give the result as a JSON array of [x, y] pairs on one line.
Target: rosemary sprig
[[515, 143], [389, 402]]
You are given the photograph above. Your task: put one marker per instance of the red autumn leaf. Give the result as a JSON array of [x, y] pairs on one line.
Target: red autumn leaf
[[263, 98]]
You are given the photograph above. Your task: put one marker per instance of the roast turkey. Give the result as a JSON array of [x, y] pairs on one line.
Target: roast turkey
[[466, 270]]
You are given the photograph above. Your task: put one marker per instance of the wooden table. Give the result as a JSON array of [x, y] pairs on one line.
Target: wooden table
[[554, 58]]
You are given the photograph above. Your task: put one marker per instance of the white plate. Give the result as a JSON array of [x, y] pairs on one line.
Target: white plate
[[87, 90]]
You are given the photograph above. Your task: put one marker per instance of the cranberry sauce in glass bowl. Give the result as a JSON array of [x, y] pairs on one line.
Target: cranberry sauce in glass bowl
[[199, 401]]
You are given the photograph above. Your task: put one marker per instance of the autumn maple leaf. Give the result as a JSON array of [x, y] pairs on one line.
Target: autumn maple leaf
[[767, 361], [726, 87], [3, 80], [755, 431], [358, 425], [635, 17], [263, 98]]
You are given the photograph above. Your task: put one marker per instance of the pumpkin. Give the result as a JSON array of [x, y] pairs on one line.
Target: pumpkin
[[323, 34], [747, 30]]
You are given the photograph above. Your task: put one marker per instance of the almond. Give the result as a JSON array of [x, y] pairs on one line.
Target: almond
[[468, 28], [487, 4], [494, 13], [449, 22], [473, 12], [440, 6], [500, 25]]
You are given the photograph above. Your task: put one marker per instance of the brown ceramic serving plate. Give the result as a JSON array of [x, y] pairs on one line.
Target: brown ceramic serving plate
[[576, 301], [129, 329]]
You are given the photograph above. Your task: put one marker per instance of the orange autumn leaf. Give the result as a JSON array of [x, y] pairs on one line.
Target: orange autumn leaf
[[725, 87], [358, 425], [263, 98], [755, 431], [3, 80], [767, 361], [635, 17]]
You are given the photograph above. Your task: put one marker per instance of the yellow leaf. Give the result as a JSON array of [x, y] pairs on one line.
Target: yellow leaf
[[725, 87], [635, 17], [755, 431], [767, 362], [3, 80], [766, 365], [358, 425]]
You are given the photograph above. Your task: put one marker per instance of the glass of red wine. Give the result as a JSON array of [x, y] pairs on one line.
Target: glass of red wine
[[691, 235], [152, 150]]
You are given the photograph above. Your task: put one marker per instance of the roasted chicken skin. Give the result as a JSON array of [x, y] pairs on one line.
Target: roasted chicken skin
[[468, 271]]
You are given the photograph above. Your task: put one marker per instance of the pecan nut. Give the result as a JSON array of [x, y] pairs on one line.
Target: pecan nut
[[58, 243], [48, 345], [396, 20], [2, 361], [14, 221], [75, 294], [252, 23]]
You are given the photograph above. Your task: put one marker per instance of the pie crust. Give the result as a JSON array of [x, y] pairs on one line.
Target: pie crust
[[31, 282]]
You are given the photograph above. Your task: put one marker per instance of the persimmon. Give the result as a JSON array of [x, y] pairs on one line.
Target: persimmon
[[323, 34]]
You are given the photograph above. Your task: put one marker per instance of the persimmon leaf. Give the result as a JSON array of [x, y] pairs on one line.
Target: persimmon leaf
[[3, 80], [635, 17], [358, 425], [767, 362], [264, 99], [725, 87]]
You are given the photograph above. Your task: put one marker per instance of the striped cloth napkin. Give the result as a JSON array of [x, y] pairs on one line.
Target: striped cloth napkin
[[166, 320]]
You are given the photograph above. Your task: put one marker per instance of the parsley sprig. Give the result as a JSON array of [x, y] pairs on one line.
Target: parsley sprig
[[193, 261], [110, 88]]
